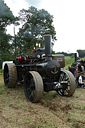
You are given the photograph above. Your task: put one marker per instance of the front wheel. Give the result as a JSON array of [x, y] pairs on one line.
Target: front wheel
[[33, 86], [69, 89]]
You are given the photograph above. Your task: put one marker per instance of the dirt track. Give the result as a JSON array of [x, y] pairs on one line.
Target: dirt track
[[53, 111], [1, 78]]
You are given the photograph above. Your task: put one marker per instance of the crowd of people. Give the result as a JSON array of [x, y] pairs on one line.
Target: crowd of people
[[78, 69]]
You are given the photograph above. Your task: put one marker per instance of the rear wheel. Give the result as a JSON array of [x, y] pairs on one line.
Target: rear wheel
[[67, 76], [33, 86], [10, 75]]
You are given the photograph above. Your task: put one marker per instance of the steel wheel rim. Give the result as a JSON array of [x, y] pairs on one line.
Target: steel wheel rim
[[65, 77]]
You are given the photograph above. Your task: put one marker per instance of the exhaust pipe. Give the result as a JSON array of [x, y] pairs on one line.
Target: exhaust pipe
[[75, 57], [47, 41]]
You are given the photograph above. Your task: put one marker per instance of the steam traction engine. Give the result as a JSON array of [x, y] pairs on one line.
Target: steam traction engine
[[40, 72]]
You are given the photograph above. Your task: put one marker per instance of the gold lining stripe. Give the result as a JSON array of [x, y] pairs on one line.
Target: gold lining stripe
[[47, 35]]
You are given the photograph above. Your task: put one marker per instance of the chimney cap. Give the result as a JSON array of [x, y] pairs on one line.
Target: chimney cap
[[47, 34]]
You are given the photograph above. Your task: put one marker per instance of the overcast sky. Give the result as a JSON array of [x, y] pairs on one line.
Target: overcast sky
[[69, 20]]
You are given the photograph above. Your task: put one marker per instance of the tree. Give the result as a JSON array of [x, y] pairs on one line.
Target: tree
[[6, 15], [81, 53], [6, 18], [35, 24]]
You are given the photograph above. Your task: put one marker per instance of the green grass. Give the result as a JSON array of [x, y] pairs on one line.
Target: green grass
[[1, 72], [45, 125], [68, 61], [2, 89]]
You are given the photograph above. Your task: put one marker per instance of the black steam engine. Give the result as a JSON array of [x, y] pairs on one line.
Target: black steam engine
[[39, 72]]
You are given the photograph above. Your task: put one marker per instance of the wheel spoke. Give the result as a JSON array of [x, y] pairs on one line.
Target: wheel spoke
[[31, 97], [7, 79], [32, 86], [28, 89]]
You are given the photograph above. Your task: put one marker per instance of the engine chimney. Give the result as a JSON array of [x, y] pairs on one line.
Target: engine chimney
[[75, 54], [47, 41]]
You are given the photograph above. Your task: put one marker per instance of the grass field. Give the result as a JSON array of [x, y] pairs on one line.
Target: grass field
[[1, 73], [53, 111], [68, 61]]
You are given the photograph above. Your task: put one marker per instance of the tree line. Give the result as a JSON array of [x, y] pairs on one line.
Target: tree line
[[80, 52]]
